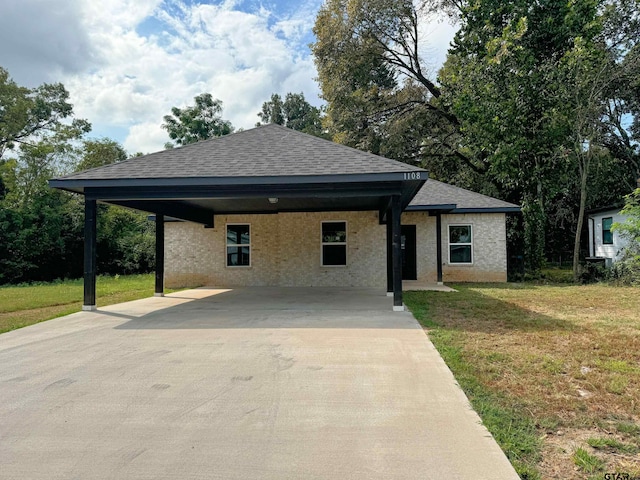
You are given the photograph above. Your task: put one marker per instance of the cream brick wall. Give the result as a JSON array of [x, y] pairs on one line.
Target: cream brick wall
[[489, 247], [285, 250]]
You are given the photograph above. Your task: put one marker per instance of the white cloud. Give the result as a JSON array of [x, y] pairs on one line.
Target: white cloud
[[234, 55], [40, 40], [145, 138], [127, 62]]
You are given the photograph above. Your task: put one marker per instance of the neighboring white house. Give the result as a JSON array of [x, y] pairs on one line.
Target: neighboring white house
[[604, 243]]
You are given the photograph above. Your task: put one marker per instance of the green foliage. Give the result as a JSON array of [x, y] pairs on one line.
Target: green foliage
[[627, 269], [100, 152], [31, 116], [531, 106], [630, 229], [592, 272], [359, 83], [198, 122], [295, 113], [41, 230], [126, 241]]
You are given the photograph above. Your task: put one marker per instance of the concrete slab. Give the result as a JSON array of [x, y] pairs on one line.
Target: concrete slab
[[416, 285], [257, 383]]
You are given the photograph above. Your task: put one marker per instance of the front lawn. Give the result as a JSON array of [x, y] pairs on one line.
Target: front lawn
[[25, 305], [553, 370]]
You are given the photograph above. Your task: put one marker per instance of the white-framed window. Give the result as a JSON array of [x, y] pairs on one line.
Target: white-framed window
[[460, 244], [238, 245], [334, 244]]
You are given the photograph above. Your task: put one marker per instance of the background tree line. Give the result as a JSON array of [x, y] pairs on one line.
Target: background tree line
[[537, 102], [41, 229]]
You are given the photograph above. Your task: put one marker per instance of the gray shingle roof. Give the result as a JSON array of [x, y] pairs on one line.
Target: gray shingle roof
[[269, 150], [434, 193]]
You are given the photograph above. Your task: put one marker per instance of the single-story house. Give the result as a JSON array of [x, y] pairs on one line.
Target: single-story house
[[273, 206], [603, 242]]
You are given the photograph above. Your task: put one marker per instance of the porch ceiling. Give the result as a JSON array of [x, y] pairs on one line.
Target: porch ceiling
[[198, 203]]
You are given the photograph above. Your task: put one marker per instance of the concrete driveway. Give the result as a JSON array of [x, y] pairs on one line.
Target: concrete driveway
[[254, 383]]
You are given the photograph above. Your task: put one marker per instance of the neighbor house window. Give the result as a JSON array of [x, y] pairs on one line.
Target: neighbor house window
[[460, 244], [238, 245], [334, 244], [607, 234]]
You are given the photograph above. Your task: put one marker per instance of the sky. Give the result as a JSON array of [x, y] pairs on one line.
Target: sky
[[125, 63]]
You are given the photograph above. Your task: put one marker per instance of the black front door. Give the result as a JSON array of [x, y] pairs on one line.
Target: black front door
[[408, 243]]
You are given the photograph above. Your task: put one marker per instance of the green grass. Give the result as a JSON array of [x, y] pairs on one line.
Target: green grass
[[24, 305], [628, 428], [586, 462], [612, 444]]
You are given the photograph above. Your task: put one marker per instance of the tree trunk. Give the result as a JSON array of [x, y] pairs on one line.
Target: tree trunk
[[584, 173]]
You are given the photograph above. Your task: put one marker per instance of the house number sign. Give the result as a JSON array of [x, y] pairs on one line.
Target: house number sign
[[413, 175]]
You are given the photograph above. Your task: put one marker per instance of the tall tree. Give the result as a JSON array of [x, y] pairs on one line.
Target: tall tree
[[100, 152], [198, 122], [295, 113], [29, 116], [272, 111]]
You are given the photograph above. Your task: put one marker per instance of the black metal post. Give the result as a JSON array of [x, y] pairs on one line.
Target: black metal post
[[439, 246], [90, 219], [159, 255], [389, 255], [396, 254]]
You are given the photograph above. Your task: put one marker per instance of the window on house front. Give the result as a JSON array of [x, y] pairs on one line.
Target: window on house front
[[334, 244], [238, 245], [460, 244], [607, 234]]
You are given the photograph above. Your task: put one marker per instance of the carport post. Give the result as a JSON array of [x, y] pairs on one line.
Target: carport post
[[159, 255], [439, 246], [90, 214], [389, 256], [396, 212]]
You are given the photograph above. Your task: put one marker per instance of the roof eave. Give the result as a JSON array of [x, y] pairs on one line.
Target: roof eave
[[78, 185], [452, 208]]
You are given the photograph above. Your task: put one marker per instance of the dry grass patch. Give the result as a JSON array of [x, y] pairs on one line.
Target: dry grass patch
[[567, 356]]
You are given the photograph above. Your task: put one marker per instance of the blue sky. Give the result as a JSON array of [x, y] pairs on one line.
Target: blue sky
[[127, 62]]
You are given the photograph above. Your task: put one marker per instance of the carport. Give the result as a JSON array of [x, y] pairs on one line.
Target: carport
[[265, 170]]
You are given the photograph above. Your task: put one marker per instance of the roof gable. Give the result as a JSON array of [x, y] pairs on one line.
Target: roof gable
[[266, 151]]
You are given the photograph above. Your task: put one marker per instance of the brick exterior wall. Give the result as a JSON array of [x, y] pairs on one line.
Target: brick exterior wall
[[489, 247], [285, 251]]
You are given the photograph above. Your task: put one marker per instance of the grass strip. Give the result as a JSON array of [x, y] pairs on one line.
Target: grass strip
[[24, 305]]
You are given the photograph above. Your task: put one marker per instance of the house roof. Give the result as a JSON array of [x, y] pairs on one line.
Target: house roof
[[606, 209], [439, 196], [265, 151], [266, 169]]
